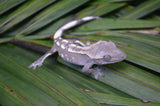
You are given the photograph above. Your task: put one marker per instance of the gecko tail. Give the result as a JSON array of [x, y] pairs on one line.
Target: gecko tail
[[71, 24]]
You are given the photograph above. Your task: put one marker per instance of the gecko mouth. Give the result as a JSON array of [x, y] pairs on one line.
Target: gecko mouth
[[123, 57], [119, 59]]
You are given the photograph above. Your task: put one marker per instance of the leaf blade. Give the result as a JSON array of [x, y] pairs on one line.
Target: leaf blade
[[23, 12], [142, 9], [51, 14], [108, 23]]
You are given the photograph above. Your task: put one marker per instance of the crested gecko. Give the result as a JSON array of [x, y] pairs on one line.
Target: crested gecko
[[86, 55]]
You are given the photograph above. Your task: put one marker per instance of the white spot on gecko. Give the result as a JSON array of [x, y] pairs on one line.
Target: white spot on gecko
[[73, 48], [72, 45], [57, 43], [82, 44], [62, 46], [65, 41], [70, 49]]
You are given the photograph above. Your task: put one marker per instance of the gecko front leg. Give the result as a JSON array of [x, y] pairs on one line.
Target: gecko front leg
[[41, 59], [93, 71]]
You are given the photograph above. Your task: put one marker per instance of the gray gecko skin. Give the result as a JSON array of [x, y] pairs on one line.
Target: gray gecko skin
[[76, 52]]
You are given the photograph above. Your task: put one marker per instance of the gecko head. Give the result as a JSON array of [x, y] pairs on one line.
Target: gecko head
[[108, 53]]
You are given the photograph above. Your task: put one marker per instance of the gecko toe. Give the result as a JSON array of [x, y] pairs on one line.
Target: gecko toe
[[34, 65], [30, 66], [97, 72]]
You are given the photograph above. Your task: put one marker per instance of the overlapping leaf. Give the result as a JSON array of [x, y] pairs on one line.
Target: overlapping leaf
[[6, 5], [23, 12], [94, 9], [142, 10], [51, 14], [107, 23]]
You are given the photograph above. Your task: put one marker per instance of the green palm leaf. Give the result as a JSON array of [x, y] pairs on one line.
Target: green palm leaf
[[26, 29]]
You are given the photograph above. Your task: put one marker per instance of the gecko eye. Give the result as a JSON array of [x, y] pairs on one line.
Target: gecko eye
[[107, 57]]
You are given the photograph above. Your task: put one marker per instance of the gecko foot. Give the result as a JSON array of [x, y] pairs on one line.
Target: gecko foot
[[97, 72], [34, 65]]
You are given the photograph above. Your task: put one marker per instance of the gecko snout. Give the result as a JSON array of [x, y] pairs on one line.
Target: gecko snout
[[123, 56]]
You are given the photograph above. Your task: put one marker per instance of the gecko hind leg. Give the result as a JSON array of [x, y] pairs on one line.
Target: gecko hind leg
[[41, 59]]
